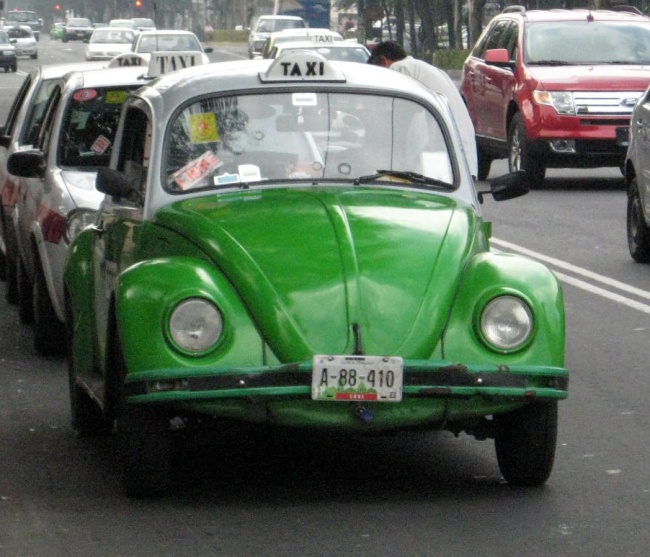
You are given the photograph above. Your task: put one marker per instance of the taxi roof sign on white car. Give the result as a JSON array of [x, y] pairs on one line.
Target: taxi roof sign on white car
[[302, 66], [161, 62]]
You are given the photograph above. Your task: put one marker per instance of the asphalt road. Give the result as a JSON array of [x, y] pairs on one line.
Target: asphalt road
[[245, 492]]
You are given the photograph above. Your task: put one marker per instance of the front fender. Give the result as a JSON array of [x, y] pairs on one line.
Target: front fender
[[146, 295], [492, 274]]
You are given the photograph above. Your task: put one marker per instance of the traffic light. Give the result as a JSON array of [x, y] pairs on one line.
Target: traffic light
[[138, 3], [57, 7]]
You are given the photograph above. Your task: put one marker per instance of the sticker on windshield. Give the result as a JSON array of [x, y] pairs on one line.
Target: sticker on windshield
[[100, 145], [203, 128], [193, 173], [116, 97]]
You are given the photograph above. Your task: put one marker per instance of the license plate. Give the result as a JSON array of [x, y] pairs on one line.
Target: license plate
[[623, 136], [357, 378]]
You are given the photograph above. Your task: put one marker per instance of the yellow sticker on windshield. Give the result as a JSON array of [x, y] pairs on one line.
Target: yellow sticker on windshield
[[203, 127], [116, 97]]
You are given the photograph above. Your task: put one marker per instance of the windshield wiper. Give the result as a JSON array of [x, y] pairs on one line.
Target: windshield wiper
[[412, 177], [553, 63]]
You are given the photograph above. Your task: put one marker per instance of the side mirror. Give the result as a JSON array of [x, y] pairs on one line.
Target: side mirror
[[208, 49], [498, 57], [27, 164], [507, 187], [116, 184]]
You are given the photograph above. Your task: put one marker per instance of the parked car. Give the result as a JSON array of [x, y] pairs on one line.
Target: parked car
[[147, 42], [7, 53], [267, 24], [556, 88], [25, 17], [55, 189], [343, 51], [19, 131], [319, 36], [23, 40], [302, 242], [106, 43], [637, 172], [77, 29]]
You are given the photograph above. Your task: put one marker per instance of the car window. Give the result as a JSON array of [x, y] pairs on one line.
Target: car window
[[4, 39], [89, 125], [587, 43], [19, 99], [135, 149], [34, 119], [497, 35], [248, 138]]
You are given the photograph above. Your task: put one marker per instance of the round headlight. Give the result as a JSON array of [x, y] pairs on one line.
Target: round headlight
[[77, 220], [507, 322], [195, 325]]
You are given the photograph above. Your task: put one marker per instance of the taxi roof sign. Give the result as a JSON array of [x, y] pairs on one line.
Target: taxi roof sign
[[160, 62], [302, 66], [168, 61], [127, 59]]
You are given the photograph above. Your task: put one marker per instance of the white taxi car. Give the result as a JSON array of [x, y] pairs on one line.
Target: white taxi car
[[300, 242], [343, 51], [56, 193], [23, 39], [166, 40], [637, 177], [316, 35]]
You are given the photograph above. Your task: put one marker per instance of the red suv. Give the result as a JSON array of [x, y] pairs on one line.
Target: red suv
[[556, 88]]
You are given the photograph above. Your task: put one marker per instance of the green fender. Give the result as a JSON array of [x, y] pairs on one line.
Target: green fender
[[491, 274], [146, 295]]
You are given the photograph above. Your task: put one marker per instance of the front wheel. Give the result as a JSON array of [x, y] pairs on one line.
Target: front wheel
[[484, 164], [48, 329], [525, 443], [521, 155], [24, 286], [144, 439], [638, 232]]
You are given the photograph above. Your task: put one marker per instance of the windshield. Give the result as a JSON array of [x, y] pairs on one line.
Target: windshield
[[21, 16], [89, 126], [581, 42], [272, 25], [174, 42], [221, 141], [79, 23], [112, 36]]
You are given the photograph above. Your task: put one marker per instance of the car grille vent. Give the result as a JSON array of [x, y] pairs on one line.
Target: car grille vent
[[612, 103], [602, 122]]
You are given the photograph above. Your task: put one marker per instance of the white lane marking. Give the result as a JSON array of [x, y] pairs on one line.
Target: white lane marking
[[602, 292], [574, 269]]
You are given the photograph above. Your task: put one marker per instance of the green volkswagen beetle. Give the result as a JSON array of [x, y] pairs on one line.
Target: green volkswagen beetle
[[300, 242]]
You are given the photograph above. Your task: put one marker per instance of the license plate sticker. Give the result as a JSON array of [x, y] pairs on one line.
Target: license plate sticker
[[357, 378]]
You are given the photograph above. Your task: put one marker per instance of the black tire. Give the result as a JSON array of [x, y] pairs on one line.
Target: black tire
[[638, 232], [521, 155], [14, 67], [144, 440], [33, 56], [11, 292], [525, 443], [145, 450], [64, 39], [25, 307], [87, 417], [49, 338], [484, 164]]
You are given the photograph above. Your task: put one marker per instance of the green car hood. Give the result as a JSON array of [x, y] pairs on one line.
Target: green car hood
[[336, 270]]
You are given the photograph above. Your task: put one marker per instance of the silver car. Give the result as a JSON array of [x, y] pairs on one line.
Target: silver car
[[19, 132], [56, 193], [24, 40], [637, 177]]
